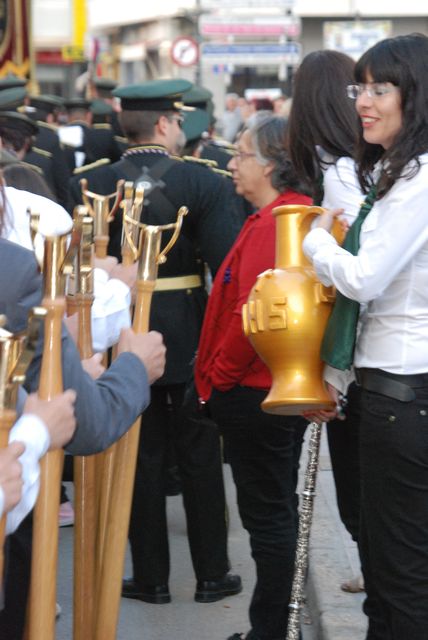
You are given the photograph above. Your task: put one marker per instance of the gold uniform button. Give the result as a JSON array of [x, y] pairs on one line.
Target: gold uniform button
[[391, 419]]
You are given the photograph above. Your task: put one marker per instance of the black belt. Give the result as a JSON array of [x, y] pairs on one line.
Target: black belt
[[392, 385]]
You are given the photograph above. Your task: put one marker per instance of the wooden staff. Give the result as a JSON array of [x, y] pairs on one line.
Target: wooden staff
[[16, 352], [126, 455], [132, 205], [41, 620], [84, 466]]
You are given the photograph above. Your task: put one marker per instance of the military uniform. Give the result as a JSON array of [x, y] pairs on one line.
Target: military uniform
[[46, 151], [177, 311], [47, 154], [84, 144]]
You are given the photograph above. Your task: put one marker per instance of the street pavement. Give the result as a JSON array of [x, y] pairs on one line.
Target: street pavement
[[330, 613]]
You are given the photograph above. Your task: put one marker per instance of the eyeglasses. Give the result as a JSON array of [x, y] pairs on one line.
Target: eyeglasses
[[179, 120], [242, 155], [373, 89]]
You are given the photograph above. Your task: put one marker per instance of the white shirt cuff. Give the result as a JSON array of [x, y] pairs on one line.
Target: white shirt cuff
[[30, 430]]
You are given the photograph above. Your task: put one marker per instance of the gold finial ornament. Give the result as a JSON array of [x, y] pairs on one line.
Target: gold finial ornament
[[99, 208], [285, 317]]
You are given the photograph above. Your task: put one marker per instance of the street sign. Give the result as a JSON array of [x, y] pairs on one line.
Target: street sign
[[185, 51], [253, 26], [353, 37], [288, 53], [73, 53]]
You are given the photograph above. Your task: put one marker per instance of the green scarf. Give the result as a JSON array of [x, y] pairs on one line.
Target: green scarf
[[339, 339]]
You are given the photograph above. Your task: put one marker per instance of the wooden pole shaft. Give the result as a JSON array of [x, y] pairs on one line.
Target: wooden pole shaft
[[45, 530], [85, 502], [116, 534]]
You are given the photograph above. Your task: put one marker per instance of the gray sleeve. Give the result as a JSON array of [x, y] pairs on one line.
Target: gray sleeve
[[106, 407]]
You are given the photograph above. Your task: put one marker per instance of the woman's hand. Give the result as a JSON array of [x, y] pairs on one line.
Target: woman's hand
[[326, 219], [326, 415]]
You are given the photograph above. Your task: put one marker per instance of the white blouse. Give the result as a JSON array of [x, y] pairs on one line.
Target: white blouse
[[390, 274]]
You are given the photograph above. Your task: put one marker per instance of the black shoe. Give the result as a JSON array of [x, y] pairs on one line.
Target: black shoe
[[213, 590], [237, 636], [156, 594]]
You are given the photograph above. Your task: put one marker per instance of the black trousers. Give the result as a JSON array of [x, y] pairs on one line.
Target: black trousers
[[16, 581], [394, 506], [263, 451], [344, 446], [197, 445]]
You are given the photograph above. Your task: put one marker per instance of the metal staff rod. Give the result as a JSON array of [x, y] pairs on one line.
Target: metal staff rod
[[84, 466], [132, 206], [305, 521], [57, 262], [150, 256], [16, 353], [99, 208]]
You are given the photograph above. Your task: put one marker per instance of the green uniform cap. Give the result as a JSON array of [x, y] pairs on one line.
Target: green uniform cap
[[156, 95], [19, 121], [12, 98], [104, 84], [12, 81], [101, 108], [46, 102], [195, 123], [77, 104], [197, 97]]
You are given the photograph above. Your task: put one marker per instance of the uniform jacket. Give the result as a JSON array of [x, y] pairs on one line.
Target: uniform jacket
[[207, 234], [48, 155], [105, 408]]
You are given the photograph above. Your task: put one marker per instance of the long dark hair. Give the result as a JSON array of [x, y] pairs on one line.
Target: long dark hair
[[403, 61], [321, 113]]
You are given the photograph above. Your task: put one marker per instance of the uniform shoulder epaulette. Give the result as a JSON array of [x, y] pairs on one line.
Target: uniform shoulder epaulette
[[34, 167], [47, 125], [102, 125], [121, 139], [223, 144], [179, 158], [42, 152], [102, 162], [222, 172], [212, 164]]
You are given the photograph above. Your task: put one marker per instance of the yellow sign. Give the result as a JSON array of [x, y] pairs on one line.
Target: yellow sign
[[79, 22], [73, 54]]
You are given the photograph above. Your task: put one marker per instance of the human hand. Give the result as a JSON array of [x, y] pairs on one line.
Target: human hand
[[325, 415], [149, 347], [108, 263], [94, 366], [128, 275], [57, 414], [326, 219], [11, 474]]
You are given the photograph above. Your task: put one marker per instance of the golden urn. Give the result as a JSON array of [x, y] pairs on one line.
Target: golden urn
[[285, 318]]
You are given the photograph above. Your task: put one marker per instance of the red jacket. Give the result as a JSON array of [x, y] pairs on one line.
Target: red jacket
[[225, 356]]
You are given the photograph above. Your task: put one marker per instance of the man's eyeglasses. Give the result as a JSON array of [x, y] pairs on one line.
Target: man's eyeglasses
[[179, 120], [373, 89], [242, 155]]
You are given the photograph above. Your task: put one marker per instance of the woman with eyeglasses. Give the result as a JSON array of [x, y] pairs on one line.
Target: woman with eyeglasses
[[322, 135], [263, 450], [381, 276]]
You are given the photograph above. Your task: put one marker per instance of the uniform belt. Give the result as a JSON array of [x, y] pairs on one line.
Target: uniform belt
[[392, 385], [179, 282]]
